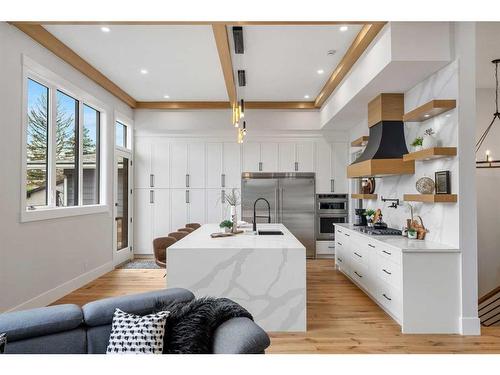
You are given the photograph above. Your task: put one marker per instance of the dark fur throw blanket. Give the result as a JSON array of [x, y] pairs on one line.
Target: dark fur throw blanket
[[191, 325]]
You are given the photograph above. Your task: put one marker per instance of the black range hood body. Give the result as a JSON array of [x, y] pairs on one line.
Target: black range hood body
[[386, 141]]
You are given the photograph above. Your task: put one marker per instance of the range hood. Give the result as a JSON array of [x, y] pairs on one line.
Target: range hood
[[383, 155]]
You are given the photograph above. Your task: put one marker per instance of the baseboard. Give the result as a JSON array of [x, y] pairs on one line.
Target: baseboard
[[60, 291], [470, 326]]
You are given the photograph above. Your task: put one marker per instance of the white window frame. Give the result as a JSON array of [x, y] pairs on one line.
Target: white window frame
[[33, 70]]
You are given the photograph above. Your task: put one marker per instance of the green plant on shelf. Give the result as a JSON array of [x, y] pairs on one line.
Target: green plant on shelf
[[369, 213], [417, 142], [226, 224]]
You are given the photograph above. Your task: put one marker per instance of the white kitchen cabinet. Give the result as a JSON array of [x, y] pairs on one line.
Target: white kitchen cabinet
[[161, 212], [142, 163], [160, 163], [196, 165], [269, 157], [196, 206], [305, 156], [187, 165], [325, 248], [214, 157], [251, 157], [231, 165], [178, 209], [287, 157], [143, 221], [340, 162], [214, 203], [324, 170]]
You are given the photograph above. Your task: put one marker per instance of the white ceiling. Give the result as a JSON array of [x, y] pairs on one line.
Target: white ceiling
[[487, 49], [281, 62], [182, 61]]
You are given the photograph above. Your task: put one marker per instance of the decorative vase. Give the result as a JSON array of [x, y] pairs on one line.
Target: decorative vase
[[429, 141], [234, 219], [412, 235], [228, 230], [417, 148]]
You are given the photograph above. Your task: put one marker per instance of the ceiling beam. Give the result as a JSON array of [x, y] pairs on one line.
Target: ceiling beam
[[202, 23], [224, 105], [222, 42], [358, 46], [49, 41]]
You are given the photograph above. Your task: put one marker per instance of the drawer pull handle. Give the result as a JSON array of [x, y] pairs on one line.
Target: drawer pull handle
[[355, 253], [387, 272], [388, 253], [339, 259], [331, 247], [371, 245], [357, 274], [347, 235], [339, 231], [339, 243], [387, 298]]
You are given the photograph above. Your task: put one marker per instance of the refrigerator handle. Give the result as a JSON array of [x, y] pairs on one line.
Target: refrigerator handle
[[281, 204], [276, 197]]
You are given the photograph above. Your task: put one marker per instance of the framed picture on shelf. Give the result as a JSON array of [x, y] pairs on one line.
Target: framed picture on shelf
[[443, 182]]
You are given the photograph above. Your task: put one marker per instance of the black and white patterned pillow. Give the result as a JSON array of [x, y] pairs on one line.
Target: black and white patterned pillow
[[135, 334]]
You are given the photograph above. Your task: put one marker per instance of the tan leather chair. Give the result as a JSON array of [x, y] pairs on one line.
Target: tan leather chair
[[189, 230], [193, 225], [178, 235], [160, 246]]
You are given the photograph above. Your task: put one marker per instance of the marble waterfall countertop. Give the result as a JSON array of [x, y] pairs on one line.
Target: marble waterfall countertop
[[266, 274], [404, 243]]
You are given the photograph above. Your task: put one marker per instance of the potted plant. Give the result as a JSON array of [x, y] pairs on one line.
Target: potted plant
[[417, 143], [369, 213], [429, 140], [412, 233], [227, 225], [233, 199]]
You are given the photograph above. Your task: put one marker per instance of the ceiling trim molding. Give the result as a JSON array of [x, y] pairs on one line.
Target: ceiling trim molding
[[279, 105], [222, 42], [365, 36], [61, 50], [224, 105], [201, 23]]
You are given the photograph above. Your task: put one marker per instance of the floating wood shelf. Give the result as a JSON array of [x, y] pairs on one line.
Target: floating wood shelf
[[430, 198], [429, 110], [431, 153], [360, 142], [365, 196]]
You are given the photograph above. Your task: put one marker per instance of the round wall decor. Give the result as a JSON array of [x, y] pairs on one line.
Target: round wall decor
[[425, 185]]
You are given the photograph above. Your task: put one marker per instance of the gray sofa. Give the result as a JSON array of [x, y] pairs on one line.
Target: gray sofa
[[69, 329]]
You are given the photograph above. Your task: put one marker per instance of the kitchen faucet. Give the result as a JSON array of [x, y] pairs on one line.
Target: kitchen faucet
[[395, 202], [255, 216]]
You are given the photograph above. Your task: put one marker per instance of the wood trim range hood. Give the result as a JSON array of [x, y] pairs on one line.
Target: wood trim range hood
[[383, 155]]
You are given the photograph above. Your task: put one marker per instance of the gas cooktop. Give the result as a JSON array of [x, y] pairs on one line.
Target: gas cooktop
[[379, 232]]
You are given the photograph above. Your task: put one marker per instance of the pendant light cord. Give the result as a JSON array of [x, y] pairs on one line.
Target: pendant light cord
[[495, 115]]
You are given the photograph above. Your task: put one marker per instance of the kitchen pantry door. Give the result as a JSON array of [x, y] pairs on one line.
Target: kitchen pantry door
[[123, 203]]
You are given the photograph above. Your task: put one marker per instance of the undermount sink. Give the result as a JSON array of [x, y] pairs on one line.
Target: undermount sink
[[270, 233]]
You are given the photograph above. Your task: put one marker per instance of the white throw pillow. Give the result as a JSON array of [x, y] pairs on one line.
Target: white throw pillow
[[135, 334]]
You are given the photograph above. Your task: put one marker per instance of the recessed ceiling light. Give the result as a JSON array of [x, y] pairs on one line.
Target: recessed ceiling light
[[448, 115], [144, 71], [427, 115], [306, 96], [105, 29], [320, 71], [166, 96], [331, 52], [343, 28]]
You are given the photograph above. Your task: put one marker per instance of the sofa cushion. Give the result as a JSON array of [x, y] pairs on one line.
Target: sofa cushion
[[98, 339], [101, 312], [20, 325], [240, 336], [68, 342]]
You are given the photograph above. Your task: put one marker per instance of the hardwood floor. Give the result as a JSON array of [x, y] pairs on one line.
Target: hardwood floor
[[341, 318]]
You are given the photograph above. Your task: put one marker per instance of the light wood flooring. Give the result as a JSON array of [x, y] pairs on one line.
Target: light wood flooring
[[341, 318]]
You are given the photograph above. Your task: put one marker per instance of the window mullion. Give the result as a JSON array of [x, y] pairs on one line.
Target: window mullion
[[52, 155], [80, 153]]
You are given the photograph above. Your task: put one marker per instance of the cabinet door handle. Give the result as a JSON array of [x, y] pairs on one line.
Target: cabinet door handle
[[151, 180], [340, 243], [296, 166], [187, 196], [339, 231], [371, 245], [223, 180], [355, 253], [331, 247], [347, 235], [387, 272], [388, 253], [387, 298], [340, 260], [223, 196], [260, 166], [332, 185], [358, 274], [187, 180], [151, 196]]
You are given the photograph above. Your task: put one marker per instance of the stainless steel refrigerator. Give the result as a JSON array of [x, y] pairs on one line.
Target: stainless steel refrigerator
[[292, 200]]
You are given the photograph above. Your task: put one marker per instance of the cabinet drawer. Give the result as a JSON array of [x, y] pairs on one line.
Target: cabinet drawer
[[390, 298], [388, 271], [359, 254], [394, 255], [360, 274], [325, 247]]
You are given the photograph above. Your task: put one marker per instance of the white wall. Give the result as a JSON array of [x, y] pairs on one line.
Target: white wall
[[43, 260], [488, 204]]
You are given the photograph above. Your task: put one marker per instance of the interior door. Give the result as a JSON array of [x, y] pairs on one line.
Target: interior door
[[297, 210], [255, 188], [122, 211]]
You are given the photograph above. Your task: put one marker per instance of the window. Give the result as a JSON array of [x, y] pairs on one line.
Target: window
[[37, 146], [120, 134], [62, 148]]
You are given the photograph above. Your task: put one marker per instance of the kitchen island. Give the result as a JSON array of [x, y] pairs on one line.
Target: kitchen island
[[266, 274]]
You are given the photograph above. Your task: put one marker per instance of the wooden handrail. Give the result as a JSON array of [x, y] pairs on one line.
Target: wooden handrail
[[488, 295]]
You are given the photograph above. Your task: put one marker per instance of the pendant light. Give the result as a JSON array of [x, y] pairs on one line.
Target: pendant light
[[488, 162]]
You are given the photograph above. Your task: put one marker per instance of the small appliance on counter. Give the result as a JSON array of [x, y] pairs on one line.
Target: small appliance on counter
[[360, 217]]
